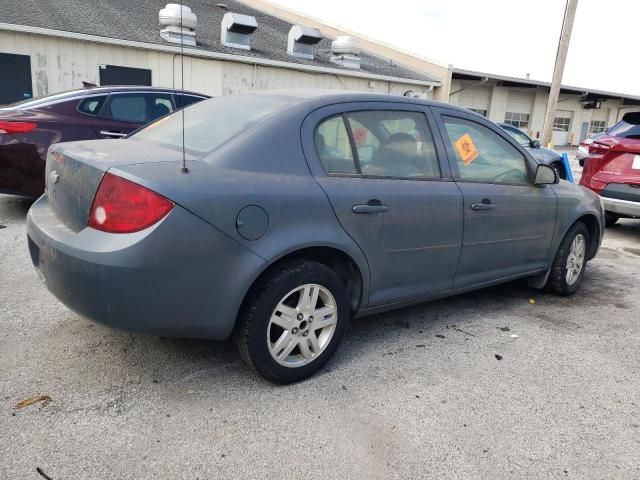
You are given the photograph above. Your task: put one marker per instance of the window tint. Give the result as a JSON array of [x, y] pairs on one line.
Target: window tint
[[188, 100], [139, 107], [484, 156], [91, 105], [208, 125], [394, 144], [333, 147]]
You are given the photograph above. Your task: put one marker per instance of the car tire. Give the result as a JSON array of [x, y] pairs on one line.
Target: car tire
[[560, 170], [278, 313], [610, 219], [571, 261]]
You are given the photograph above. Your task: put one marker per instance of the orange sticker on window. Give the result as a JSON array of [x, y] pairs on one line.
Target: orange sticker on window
[[466, 149]]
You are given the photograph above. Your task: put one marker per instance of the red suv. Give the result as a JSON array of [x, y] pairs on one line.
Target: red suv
[[612, 169]]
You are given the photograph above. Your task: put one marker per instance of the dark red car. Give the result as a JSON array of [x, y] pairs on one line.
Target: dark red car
[[28, 128], [612, 169]]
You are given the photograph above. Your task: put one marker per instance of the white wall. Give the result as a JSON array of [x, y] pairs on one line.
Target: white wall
[[59, 64], [610, 110]]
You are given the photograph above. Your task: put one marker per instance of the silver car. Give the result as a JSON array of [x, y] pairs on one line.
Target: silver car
[[295, 211]]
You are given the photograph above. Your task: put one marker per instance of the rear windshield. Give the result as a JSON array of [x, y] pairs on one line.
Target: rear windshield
[[628, 127], [210, 123]]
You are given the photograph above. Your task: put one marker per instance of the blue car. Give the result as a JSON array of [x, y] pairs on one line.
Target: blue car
[[292, 212], [541, 154]]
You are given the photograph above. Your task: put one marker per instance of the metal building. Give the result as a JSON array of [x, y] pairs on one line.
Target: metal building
[[48, 46], [523, 102]]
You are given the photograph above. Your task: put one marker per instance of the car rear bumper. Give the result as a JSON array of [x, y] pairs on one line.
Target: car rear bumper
[[182, 277], [621, 207]]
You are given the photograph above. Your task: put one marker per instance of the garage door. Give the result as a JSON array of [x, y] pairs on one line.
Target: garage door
[[475, 98], [561, 127], [519, 105]]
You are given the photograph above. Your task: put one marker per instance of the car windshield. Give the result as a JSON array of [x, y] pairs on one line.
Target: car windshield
[[628, 127], [211, 123], [519, 137]]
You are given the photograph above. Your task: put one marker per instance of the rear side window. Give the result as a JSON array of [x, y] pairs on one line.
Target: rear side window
[[91, 105], [628, 127], [139, 107], [482, 155], [333, 147], [378, 143], [395, 144]]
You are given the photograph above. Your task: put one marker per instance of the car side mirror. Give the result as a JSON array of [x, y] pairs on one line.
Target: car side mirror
[[546, 175], [535, 143]]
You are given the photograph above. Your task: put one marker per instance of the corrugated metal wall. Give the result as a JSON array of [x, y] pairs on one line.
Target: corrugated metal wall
[[62, 64]]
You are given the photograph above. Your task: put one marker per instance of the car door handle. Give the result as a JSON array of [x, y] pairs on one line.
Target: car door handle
[[484, 205], [108, 133], [372, 206]]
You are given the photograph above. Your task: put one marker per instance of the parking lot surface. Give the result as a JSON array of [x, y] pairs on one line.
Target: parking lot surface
[[507, 382]]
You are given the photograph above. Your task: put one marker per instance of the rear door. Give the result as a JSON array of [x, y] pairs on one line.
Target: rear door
[[383, 172], [123, 113], [508, 221]]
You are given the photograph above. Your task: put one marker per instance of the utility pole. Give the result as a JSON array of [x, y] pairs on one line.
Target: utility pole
[[561, 57]]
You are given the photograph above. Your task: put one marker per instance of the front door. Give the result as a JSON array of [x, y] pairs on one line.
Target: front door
[[379, 166], [508, 221]]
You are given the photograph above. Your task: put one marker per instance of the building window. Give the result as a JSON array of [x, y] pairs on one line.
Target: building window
[[114, 75], [15, 81], [597, 126], [518, 120], [481, 111], [561, 124]]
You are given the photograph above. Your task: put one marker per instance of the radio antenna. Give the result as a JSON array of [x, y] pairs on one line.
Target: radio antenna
[[184, 156]]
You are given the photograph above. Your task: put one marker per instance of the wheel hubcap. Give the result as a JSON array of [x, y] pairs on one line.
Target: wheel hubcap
[[302, 325], [575, 259]]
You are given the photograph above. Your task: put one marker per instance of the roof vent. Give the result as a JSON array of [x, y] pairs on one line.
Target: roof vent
[[301, 41], [237, 29], [345, 52], [171, 16]]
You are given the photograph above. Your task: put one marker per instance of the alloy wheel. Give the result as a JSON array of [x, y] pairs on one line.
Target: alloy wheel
[[575, 259], [302, 325]]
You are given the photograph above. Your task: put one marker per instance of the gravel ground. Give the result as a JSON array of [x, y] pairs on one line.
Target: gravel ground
[[440, 390]]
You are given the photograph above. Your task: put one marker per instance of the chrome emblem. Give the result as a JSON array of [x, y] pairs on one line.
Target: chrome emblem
[[54, 177]]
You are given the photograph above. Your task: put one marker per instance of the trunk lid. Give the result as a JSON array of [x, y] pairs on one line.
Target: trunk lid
[[74, 171]]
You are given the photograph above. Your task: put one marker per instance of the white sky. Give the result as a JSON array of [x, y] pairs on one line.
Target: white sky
[[509, 37]]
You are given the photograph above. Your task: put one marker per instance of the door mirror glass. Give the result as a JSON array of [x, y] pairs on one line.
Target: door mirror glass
[[546, 175], [535, 143]]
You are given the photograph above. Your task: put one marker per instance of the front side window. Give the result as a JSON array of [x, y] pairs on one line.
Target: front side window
[[518, 120], [482, 155]]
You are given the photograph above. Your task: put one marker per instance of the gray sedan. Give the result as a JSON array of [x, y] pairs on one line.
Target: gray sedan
[[295, 211]]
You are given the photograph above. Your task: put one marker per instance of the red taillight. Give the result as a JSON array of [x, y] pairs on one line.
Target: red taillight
[[598, 148], [121, 206], [16, 127]]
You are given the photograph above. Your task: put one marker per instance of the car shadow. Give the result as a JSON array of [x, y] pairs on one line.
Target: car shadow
[[14, 209]]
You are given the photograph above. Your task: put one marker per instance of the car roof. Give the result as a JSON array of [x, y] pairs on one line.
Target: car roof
[[81, 92], [327, 96]]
